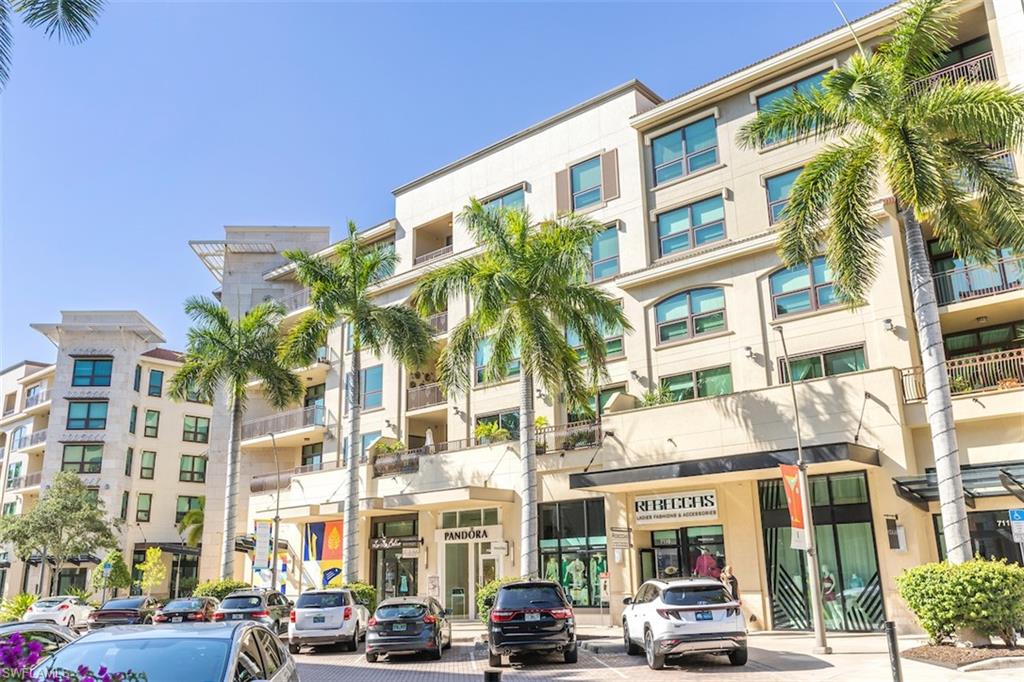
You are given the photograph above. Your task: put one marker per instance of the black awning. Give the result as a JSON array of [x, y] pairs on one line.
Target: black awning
[[988, 480], [247, 543], [752, 461], [77, 560], [169, 547]]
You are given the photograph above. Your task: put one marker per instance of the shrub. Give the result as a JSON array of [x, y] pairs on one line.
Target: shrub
[[925, 590], [490, 432], [365, 594], [13, 608], [489, 590], [656, 396], [218, 589], [389, 447]]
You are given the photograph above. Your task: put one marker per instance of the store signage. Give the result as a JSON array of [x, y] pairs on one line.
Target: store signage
[[264, 545], [393, 543], [410, 552], [897, 535], [618, 538], [794, 499], [469, 534], [499, 547], [687, 506], [1017, 525]]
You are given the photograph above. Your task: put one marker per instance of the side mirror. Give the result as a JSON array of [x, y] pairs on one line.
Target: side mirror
[[627, 601], [444, 613], [290, 602], [488, 602]]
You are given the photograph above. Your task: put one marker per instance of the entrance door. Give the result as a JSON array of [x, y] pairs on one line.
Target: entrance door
[[458, 579], [487, 567]]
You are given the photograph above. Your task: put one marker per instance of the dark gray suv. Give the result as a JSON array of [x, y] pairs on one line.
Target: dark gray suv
[[530, 616], [264, 606]]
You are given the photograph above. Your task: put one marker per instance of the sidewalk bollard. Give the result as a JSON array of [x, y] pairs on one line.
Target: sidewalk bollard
[[894, 651], [491, 675]]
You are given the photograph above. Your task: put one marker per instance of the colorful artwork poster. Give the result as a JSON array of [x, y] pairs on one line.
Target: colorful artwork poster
[[322, 551]]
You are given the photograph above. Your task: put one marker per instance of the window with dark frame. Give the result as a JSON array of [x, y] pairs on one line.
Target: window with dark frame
[[124, 505], [86, 458], [804, 86], [312, 455], [185, 504], [701, 383], [152, 427], [129, 456], [991, 339], [799, 289], [613, 340], [515, 198], [483, 356], [372, 387], [137, 381], [147, 464], [824, 363], [690, 314], [685, 150], [573, 547], [192, 469], [143, 507], [196, 429], [92, 371], [778, 188], [585, 179], [691, 226], [156, 383], [133, 418], [506, 419], [87, 415], [604, 254]]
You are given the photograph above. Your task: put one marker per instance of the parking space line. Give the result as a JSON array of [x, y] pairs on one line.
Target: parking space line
[[614, 670]]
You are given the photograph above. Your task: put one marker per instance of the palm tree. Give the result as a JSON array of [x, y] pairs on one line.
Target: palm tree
[[69, 21], [340, 294], [191, 524], [226, 354], [931, 144], [527, 287]]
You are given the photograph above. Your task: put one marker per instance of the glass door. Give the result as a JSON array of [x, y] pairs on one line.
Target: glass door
[[457, 579], [487, 567]]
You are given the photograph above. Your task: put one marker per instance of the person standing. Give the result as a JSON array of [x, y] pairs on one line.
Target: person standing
[[730, 582]]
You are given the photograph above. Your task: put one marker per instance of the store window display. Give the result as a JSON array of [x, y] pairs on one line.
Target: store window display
[[573, 547]]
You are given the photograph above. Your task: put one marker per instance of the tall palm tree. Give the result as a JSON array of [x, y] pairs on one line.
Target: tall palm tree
[[931, 144], [70, 20], [527, 287], [191, 524], [340, 294], [226, 354]]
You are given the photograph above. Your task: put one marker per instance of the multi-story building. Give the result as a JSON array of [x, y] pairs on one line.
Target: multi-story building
[[673, 489], [103, 411]]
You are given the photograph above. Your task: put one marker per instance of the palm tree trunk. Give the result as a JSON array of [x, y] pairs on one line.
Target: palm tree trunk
[[227, 552], [939, 400], [351, 529], [528, 562], [42, 571]]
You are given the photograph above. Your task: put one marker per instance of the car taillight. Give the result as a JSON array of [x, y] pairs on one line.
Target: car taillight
[[429, 618], [218, 616], [561, 614], [196, 616], [348, 612], [63, 607], [291, 617], [159, 618], [372, 622], [668, 614], [260, 614], [502, 616]]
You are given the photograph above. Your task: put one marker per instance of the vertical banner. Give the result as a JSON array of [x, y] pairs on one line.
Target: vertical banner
[[794, 499], [264, 550], [322, 554]]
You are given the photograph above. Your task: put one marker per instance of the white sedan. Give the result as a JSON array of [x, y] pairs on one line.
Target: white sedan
[[68, 611]]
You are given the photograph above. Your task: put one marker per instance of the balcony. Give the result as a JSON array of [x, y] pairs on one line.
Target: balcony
[[36, 442], [26, 482], [436, 254], [998, 371], [980, 68], [288, 428], [266, 483], [963, 284], [36, 401], [426, 395], [438, 323], [294, 302]]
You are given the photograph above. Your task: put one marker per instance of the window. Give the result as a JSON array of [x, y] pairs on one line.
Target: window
[[124, 506], [186, 503], [612, 335], [513, 199], [129, 456], [312, 455], [193, 395], [372, 387], [137, 381], [192, 469], [964, 51], [804, 86], [152, 427], [800, 289], [991, 536], [573, 546], [779, 188], [992, 339], [697, 551], [19, 438], [685, 150], [468, 518], [702, 383], [156, 383], [143, 507], [366, 442], [133, 417], [691, 227], [13, 475], [824, 364], [690, 313], [604, 254], [10, 508], [484, 349], [92, 496], [596, 405], [87, 415], [92, 372], [196, 430], [147, 466], [586, 183], [82, 459], [509, 419]]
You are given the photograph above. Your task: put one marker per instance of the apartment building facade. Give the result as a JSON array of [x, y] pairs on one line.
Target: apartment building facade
[[632, 492], [102, 410]]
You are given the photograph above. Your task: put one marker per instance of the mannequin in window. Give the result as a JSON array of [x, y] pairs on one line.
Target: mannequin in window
[[576, 579], [706, 565], [551, 569]]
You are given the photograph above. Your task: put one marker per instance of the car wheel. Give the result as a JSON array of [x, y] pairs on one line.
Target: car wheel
[[493, 660], [448, 642], [738, 657], [293, 649], [572, 655], [655, 661], [371, 657], [353, 643], [435, 653], [631, 647]]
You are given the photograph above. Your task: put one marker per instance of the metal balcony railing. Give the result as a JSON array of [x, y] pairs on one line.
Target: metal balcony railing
[[27, 481], [992, 371], [438, 323], [433, 255], [296, 301], [424, 396], [980, 68], [978, 280], [36, 399], [269, 482], [37, 437], [315, 415]]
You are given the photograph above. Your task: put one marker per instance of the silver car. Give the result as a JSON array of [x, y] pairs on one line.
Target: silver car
[[216, 652]]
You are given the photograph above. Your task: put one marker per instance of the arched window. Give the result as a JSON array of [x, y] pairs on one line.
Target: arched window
[[800, 289], [690, 313], [18, 439]]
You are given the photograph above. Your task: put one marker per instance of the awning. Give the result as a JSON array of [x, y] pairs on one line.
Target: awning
[[752, 461], [989, 480], [169, 547], [77, 560], [463, 496], [247, 543]]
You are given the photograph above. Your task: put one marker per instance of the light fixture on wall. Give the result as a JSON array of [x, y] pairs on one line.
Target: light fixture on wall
[[748, 352], [981, 319], [888, 325]]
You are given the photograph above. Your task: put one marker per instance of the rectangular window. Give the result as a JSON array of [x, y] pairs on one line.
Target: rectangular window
[[186, 503], [313, 455], [147, 465], [779, 188], [586, 183], [137, 381], [152, 427], [824, 364], [124, 505], [156, 383], [685, 150], [573, 547], [372, 388], [804, 86], [82, 459], [992, 339], [92, 496], [612, 335], [10, 508], [691, 227], [484, 350], [702, 383], [513, 199], [87, 415], [192, 469], [366, 442], [13, 475], [92, 372], [604, 254], [508, 420], [133, 417], [129, 456], [196, 430], [143, 507]]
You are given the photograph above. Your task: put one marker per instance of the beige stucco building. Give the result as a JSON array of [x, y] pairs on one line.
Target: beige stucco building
[[674, 489]]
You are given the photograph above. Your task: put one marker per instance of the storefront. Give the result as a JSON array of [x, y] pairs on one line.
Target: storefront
[[991, 536], [692, 544], [574, 548], [394, 555], [471, 547]]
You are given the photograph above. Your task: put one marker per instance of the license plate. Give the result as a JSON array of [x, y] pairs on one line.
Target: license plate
[[318, 619], [532, 616], [236, 616], [176, 619], [399, 627], [705, 615]]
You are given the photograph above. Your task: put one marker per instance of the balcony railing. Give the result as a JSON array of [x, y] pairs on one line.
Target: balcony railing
[[315, 415], [8, 411], [296, 301], [269, 482], [433, 255], [424, 396], [36, 399], [976, 281], [438, 322], [980, 68], [989, 372], [26, 481], [37, 437]]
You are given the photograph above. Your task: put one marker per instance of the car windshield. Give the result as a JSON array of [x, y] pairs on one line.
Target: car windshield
[[123, 604], [697, 595], [183, 604], [240, 602], [160, 659], [529, 596], [391, 611], [320, 600]]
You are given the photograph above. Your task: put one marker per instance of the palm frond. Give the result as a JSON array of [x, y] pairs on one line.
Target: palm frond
[[985, 112], [399, 331], [302, 342], [802, 229], [912, 168], [68, 20], [438, 285], [791, 118], [456, 359], [920, 38], [488, 227], [6, 41]]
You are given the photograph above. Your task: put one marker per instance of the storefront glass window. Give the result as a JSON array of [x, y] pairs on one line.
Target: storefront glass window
[[392, 574], [573, 545], [991, 536], [697, 551], [470, 517]]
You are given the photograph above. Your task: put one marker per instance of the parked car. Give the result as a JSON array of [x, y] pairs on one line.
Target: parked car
[[124, 611], [64, 610], [323, 617], [407, 625], [187, 610], [531, 616], [51, 636], [684, 616], [264, 606], [219, 652]]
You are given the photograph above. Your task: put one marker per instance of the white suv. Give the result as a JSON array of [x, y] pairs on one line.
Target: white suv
[[324, 617], [683, 616]]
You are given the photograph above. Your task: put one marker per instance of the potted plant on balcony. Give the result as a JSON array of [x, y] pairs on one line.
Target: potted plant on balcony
[[490, 432], [542, 440], [1007, 383], [656, 396]]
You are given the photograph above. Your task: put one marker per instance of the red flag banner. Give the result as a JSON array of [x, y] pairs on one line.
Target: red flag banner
[[794, 499]]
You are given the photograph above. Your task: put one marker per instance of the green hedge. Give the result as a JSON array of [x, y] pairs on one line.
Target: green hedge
[[13, 608], [982, 595], [219, 588], [489, 590], [364, 594]]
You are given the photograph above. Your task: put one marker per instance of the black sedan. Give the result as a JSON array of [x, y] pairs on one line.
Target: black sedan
[[187, 610], [124, 611], [408, 625]]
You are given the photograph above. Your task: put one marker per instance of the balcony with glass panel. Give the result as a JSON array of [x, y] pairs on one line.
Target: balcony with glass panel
[[432, 241], [289, 428], [37, 401]]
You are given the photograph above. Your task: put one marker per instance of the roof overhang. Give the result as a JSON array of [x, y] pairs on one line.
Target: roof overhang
[[989, 480], [212, 252], [449, 497]]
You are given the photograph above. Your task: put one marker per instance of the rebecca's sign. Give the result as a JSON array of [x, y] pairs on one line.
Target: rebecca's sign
[[699, 505]]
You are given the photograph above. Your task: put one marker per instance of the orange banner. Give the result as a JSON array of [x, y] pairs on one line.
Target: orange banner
[[794, 499]]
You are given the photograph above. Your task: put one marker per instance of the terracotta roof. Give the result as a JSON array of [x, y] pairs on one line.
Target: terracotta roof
[[165, 354]]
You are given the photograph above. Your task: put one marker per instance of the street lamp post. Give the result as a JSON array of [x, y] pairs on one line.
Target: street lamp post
[[814, 577], [277, 516]]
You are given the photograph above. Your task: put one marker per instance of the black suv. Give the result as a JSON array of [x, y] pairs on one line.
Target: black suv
[[266, 606], [530, 616]]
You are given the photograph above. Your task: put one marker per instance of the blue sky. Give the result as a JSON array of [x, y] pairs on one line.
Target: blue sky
[[175, 119]]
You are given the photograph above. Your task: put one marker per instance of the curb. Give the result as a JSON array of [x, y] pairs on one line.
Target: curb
[[1001, 663], [602, 646]]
